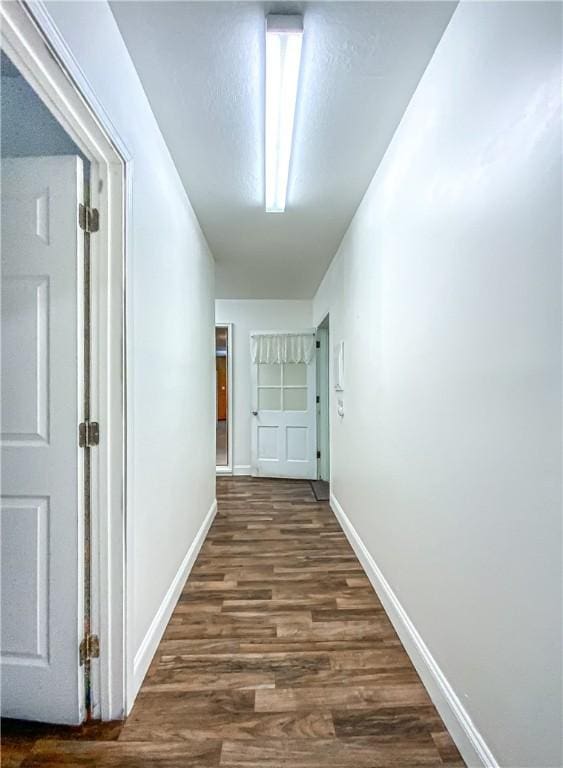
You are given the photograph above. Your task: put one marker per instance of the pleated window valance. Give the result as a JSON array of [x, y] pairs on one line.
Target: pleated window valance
[[282, 347]]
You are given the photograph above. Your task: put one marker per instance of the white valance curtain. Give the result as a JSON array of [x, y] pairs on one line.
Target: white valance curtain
[[282, 347]]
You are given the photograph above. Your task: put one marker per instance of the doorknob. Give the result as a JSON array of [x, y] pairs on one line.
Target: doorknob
[[255, 413]]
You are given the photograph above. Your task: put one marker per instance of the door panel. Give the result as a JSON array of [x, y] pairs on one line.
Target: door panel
[[25, 399], [284, 420], [296, 441], [268, 443], [24, 550], [221, 367], [40, 512]]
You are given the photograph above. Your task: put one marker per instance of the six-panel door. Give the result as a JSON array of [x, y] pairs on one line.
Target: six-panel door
[[41, 530]]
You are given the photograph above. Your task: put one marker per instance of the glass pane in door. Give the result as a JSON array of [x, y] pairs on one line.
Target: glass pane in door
[[295, 399], [269, 374], [295, 374], [269, 398]]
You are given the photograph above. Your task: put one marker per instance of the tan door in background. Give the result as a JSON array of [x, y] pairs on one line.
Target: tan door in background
[[221, 365]]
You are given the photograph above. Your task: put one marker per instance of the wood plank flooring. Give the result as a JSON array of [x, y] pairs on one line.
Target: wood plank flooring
[[279, 654]]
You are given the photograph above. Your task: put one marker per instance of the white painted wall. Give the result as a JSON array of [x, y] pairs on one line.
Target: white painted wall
[[446, 291], [28, 128], [246, 316], [170, 294]]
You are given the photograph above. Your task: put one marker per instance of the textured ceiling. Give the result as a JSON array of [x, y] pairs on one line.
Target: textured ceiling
[[202, 67]]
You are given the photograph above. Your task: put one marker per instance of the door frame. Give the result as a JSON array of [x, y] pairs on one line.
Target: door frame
[[30, 38], [323, 398], [228, 469]]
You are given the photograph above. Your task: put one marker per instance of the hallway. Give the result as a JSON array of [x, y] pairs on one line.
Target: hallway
[[319, 242], [278, 653]]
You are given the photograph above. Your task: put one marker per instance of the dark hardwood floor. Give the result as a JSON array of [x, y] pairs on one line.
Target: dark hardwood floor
[[279, 654]]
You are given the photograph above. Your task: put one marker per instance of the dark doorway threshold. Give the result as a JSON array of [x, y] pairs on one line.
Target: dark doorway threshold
[[321, 489]]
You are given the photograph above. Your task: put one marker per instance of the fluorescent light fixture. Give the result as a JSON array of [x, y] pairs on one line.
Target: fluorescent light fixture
[[284, 35]]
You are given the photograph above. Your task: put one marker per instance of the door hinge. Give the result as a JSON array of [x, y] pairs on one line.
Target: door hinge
[[89, 648], [318, 398], [88, 434], [318, 345], [318, 454], [88, 218]]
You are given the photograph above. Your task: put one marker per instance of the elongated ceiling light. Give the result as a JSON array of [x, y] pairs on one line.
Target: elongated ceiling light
[[284, 35]]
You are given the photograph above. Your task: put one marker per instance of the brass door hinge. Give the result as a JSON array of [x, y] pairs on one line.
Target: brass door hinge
[[88, 218], [89, 648], [88, 434]]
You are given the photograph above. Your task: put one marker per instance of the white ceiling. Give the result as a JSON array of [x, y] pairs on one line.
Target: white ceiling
[[202, 66]]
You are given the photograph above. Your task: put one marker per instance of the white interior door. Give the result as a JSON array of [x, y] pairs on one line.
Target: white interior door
[[284, 432], [41, 510]]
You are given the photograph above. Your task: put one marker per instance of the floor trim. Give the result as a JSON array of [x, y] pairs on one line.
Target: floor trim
[[469, 741], [242, 469], [148, 647]]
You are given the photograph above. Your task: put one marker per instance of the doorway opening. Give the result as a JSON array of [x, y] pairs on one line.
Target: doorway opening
[[45, 375], [223, 389], [321, 487], [63, 376]]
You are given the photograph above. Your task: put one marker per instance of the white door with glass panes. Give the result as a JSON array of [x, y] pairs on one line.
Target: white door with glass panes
[[284, 432]]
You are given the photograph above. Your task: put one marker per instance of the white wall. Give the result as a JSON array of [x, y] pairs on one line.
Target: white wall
[[171, 405], [28, 127], [246, 316], [446, 291]]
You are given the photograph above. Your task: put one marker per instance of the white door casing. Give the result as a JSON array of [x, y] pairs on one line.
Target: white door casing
[[41, 502], [228, 469], [284, 433], [323, 396]]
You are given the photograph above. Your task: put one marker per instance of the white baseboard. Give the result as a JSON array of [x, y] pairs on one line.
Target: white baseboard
[[242, 469], [148, 647], [223, 470], [469, 741]]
